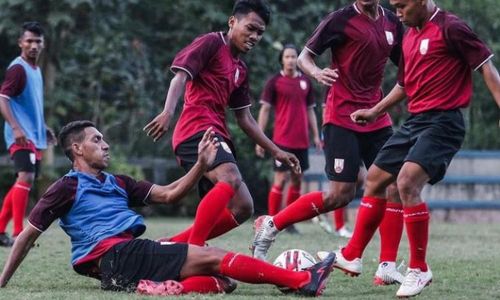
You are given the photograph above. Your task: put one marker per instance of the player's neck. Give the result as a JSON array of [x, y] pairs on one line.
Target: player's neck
[[85, 168], [370, 11], [31, 61], [290, 72], [430, 12]]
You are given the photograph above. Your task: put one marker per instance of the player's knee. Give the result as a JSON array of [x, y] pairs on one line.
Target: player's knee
[[406, 187], [243, 212], [26, 177], [212, 258], [373, 187], [338, 198]]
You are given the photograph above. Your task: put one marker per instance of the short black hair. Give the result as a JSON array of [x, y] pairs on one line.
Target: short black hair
[[32, 26], [73, 132], [282, 52], [260, 7]]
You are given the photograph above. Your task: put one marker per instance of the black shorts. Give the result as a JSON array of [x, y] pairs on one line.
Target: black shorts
[[25, 161], [345, 150], [187, 155], [125, 264], [430, 139], [301, 154]]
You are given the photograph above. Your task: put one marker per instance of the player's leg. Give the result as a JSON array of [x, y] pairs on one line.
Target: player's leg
[[275, 196]]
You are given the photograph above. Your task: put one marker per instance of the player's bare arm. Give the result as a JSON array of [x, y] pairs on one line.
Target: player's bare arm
[[24, 242], [171, 193], [313, 124], [492, 80], [248, 124], [19, 135], [262, 121], [324, 76], [160, 124], [363, 116]]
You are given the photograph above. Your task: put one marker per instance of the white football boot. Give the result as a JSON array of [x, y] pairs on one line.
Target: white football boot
[[415, 281], [344, 232], [350, 267], [388, 274], [265, 234]]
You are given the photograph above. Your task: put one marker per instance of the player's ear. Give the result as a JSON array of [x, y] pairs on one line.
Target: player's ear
[[77, 149], [232, 20]]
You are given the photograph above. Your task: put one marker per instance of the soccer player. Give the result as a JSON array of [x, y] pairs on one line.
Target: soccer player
[[361, 37], [94, 211], [435, 75], [291, 95], [25, 132], [215, 77]]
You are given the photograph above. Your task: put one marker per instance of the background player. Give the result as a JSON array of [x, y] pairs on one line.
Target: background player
[[25, 131], [215, 77]]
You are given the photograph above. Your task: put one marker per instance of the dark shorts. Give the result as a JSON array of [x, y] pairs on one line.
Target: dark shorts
[[25, 161], [187, 155], [430, 139], [302, 155], [345, 150], [125, 264]]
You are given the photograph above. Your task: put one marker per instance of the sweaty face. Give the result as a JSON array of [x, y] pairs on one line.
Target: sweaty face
[[31, 45], [245, 31], [94, 150], [410, 12], [289, 59]]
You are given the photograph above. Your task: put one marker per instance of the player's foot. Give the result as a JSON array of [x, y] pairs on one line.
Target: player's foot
[[5, 240], [322, 221], [227, 285], [154, 288], [319, 275], [388, 274], [292, 229], [265, 234], [351, 267], [344, 232], [414, 282]]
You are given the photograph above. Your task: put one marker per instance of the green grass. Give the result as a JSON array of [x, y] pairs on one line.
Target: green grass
[[465, 260]]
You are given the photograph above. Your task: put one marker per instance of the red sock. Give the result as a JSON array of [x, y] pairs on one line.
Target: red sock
[[293, 194], [391, 230], [274, 200], [251, 270], [209, 209], [370, 214], [417, 229], [225, 223], [20, 194], [6, 213], [338, 218], [201, 285], [306, 207]]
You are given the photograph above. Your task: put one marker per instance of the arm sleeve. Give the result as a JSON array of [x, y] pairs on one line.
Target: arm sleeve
[[240, 97], [466, 44], [55, 202], [269, 93], [14, 83], [328, 34], [396, 51], [194, 57], [310, 94], [137, 191]]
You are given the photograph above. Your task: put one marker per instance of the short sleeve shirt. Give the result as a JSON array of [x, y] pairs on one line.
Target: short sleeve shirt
[[437, 63], [14, 82], [218, 80], [290, 97], [60, 196], [360, 48]]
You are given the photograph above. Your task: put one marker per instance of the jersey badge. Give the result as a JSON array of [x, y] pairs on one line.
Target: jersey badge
[[236, 75], [339, 165], [424, 46], [226, 148], [303, 85], [390, 37]]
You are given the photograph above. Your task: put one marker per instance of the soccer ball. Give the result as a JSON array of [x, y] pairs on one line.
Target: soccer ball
[[294, 260]]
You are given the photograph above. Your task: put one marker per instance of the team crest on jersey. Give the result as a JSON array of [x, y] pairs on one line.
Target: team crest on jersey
[[338, 165], [390, 37], [32, 158], [277, 163], [226, 148], [424, 46], [236, 75], [303, 85]]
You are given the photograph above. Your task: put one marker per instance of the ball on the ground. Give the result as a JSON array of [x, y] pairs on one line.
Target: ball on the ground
[[294, 260]]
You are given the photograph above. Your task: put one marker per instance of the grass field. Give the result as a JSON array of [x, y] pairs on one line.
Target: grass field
[[465, 260]]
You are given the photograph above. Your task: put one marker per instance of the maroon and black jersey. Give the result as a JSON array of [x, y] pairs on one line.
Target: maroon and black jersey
[[360, 48], [218, 80], [290, 97], [14, 83], [437, 63]]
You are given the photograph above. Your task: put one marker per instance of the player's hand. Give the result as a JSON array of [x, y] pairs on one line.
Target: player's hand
[[158, 126], [51, 136], [326, 76], [364, 116], [20, 137], [259, 151], [207, 148], [318, 144], [289, 159]]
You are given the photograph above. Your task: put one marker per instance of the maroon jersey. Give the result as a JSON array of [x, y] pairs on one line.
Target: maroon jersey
[[290, 97], [218, 80], [437, 63], [14, 83], [360, 48]]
